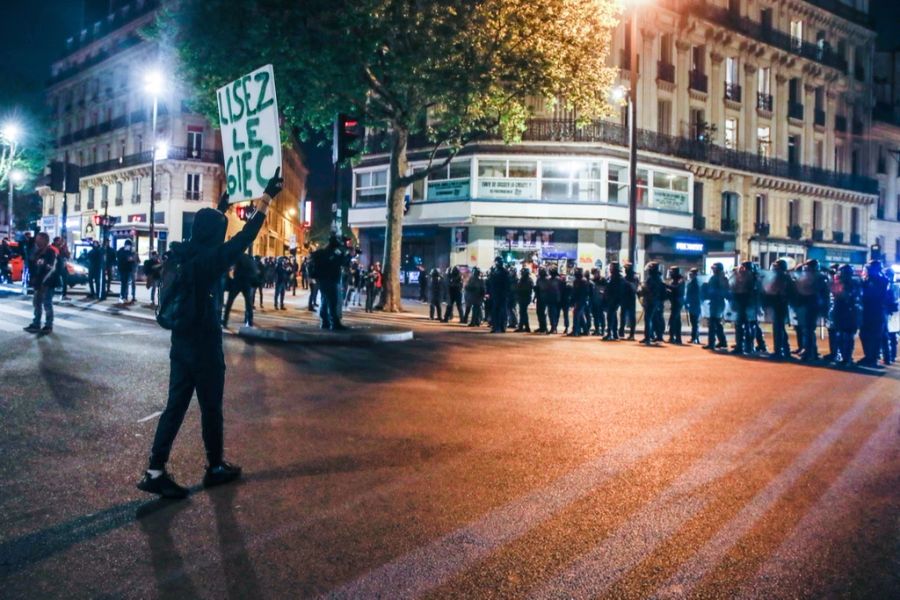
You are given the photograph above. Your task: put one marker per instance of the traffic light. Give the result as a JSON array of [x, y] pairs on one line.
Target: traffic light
[[347, 130], [64, 177], [242, 211]]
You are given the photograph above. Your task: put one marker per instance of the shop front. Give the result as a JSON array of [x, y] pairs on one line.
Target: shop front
[[837, 256], [687, 250], [537, 247], [765, 252]]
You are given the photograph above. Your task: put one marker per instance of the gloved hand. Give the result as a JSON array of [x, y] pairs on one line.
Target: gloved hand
[[275, 185], [223, 203]]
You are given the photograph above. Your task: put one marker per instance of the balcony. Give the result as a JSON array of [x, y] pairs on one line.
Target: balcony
[[119, 201], [819, 117], [699, 222], [761, 229], [728, 226], [795, 111], [625, 60], [818, 235], [699, 81], [764, 102], [855, 239], [840, 123], [733, 92], [144, 158], [857, 127], [135, 198], [859, 73], [821, 53], [795, 232], [192, 194], [837, 237], [665, 71]]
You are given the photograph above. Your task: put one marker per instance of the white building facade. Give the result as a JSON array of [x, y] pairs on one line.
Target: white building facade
[[753, 120]]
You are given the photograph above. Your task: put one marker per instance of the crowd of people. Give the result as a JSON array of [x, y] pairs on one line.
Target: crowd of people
[[605, 304]]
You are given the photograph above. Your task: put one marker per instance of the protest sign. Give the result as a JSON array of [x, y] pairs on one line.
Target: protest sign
[[248, 117]]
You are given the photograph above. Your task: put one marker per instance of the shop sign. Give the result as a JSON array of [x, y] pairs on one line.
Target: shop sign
[[457, 189], [137, 218], [87, 224], [689, 247], [251, 137], [508, 189], [669, 200], [837, 255], [48, 225]]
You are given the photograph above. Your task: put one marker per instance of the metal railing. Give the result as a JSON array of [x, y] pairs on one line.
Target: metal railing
[[733, 92], [728, 226], [142, 158], [795, 232], [840, 123], [837, 237], [665, 71], [761, 229], [795, 110], [819, 117], [699, 81], [764, 101], [699, 222]]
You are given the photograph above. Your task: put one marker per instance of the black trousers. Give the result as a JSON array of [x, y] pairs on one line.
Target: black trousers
[[455, 300], [675, 323], [695, 326], [247, 293], [541, 310], [612, 322], [553, 315], [779, 330], [716, 334], [209, 382], [523, 316], [628, 319]]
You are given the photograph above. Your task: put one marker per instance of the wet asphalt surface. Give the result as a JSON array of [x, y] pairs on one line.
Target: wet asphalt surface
[[458, 465]]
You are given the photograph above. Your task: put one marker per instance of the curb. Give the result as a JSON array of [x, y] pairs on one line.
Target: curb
[[353, 336]]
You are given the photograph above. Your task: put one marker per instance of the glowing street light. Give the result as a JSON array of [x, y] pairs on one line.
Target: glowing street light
[[16, 177], [154, 85], [292, 212], [11, 132]]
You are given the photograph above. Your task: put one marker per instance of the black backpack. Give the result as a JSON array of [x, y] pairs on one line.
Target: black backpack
[[178, 307]]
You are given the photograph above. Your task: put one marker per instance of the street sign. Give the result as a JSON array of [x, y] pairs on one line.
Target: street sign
[[162, 235], [292, 242], [251, 137]]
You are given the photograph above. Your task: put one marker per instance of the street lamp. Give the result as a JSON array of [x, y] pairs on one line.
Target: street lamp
[[16, 177], [153, 85], [10, 134]]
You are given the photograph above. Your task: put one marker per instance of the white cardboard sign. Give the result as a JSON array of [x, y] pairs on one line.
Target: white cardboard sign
[[248, 116]]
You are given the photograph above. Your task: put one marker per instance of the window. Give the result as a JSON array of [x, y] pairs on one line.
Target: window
[[762, 208], [879, 208], [794, 93], [698, 123], [897, 251], [837, 218], [617, 184], [573, 180], [90, 199], [194, 141], [854, 220], [192, 190], [135, 190], [664, 117], [492, 168], [731, 70], [881, 167], [139, 144], [449, 183], [730, 211], [817, 215], [763, 79], [371, 186], [796, 33], [765, 18], [764, 141], [698, 59], [793, 213], [104, 196], [670, 192], [731, 133], [665, 48], [119, 195], [794, 149]]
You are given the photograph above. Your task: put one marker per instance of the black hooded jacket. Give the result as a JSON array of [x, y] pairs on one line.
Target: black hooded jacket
[[210, 259]]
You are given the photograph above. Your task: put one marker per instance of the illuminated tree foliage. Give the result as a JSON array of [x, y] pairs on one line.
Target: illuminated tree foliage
[[448, 70]]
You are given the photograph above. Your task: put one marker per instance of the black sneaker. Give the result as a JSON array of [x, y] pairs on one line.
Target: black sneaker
[[221, 474], [47, 329], [32, 328], [163, 485]]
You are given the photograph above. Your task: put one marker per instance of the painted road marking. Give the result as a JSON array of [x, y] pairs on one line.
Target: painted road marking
[[595, 572], [808, 534], [30, 316], [148, 417], [711, 554]]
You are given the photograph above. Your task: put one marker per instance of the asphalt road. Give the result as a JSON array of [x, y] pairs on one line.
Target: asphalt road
[[457, 465]]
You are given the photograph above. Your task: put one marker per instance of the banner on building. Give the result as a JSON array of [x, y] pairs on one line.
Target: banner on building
[[251, 139]]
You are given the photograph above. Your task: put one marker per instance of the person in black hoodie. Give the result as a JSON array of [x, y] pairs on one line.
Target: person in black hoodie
[[197, 359], [553, 298], [580, 297], [693, 303], [498, 287], [675, 295], [435, 293], [524, 294], [242, 280], [598, 301], [474, 298], [652, 294], [540, 297]]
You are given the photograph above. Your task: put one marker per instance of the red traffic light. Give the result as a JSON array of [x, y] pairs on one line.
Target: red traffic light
[[242, 211]]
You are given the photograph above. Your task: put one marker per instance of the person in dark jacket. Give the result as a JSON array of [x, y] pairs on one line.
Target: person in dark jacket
[[283, 274], [779, 292], [243, 277], [845, 313], [553, 298], [474, 290], [152, 268], [565, 301], [42, 278], [652, 294], [435, 294], [812, 304], [524, 295], [675, 295], [197, 360], [615, 290], [5, 257], [580, 298], [125, 262], [454, 294], [742, 286], [95, 264], [693, 303], [598, 301], [498, 287], [715, 291], [541, 291], [876, 300], [628, 312], [63, 256], [328, 265], [423, 283], [512, 317]]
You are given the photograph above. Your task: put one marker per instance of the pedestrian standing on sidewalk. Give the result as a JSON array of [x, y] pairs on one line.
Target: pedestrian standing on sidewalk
[[524, 296], [693, 303], [423, 283], [615, 290], [125, 261], [5, 257], [541, 291], [151, 270], [475, 298], [244, 276], [197, 359], [26, 247], [42, 274], [498, 287], [675, 295], [95, 262], [295, 268], [454, 294], [715, 291], [435, 293], [260, 283], [282, 280], [108, 270], [628, 312]]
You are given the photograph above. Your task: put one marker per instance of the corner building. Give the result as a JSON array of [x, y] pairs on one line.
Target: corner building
[[752, 121], [103, 123]]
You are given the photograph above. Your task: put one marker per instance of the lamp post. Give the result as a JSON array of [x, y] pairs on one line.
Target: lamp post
[[153, 84], [632, 143], [16, 177], [10, 134]]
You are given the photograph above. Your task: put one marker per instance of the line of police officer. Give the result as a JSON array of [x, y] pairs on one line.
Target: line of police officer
[[591, 303]]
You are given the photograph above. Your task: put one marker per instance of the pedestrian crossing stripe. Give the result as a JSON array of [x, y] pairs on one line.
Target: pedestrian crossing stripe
[[65, 324]]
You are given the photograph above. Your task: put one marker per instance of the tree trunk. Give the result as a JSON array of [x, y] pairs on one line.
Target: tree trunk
[[393, 236]]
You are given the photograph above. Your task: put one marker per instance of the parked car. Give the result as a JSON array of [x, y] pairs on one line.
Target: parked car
[[76, 274]]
